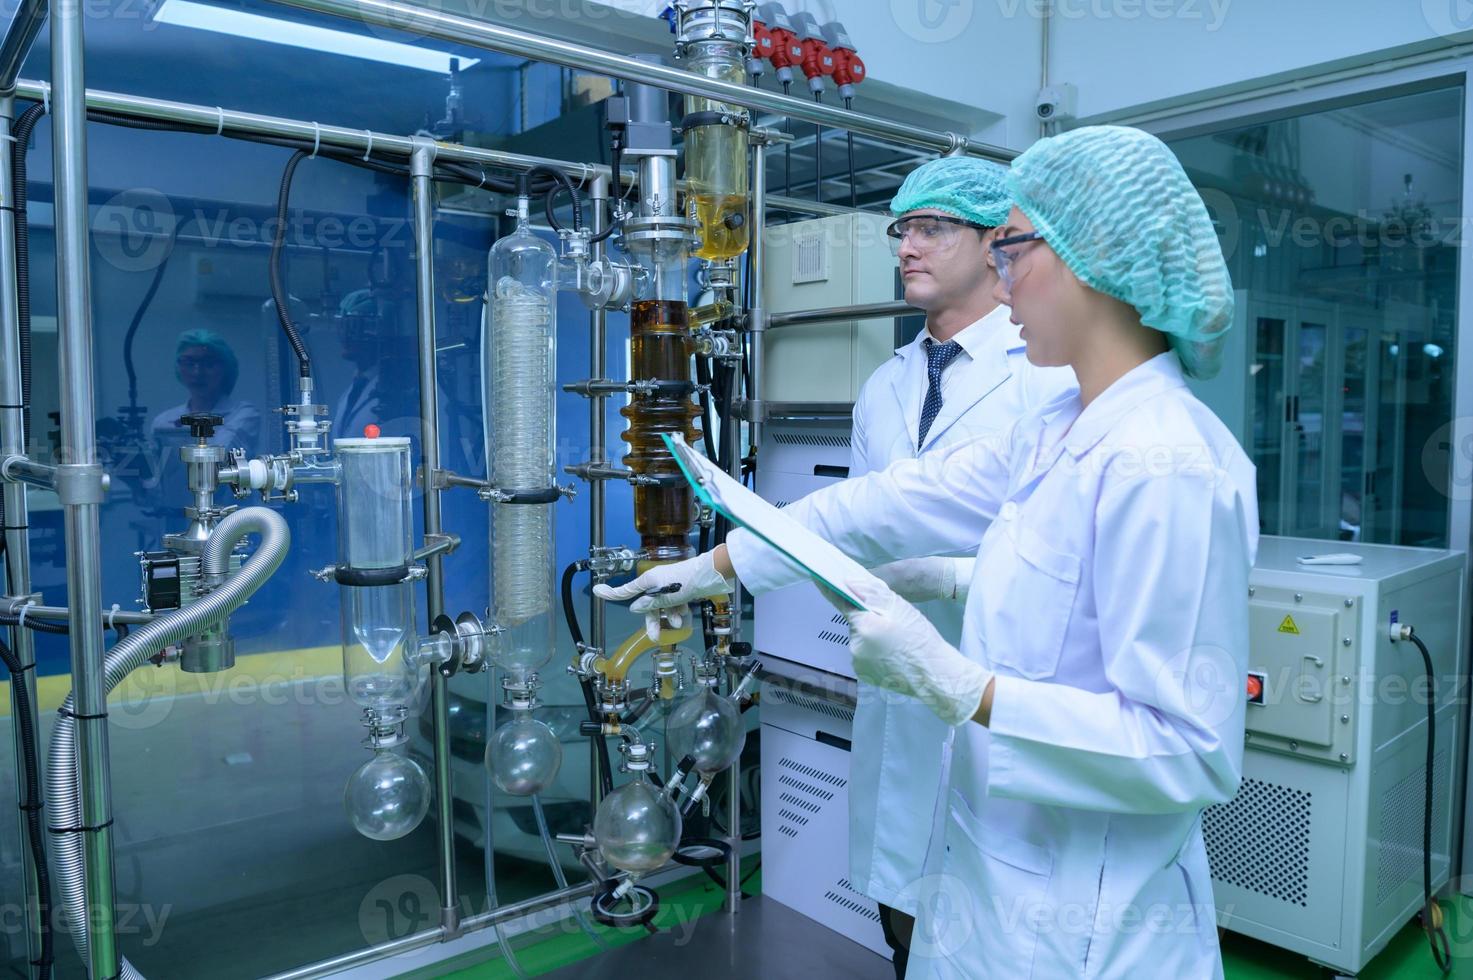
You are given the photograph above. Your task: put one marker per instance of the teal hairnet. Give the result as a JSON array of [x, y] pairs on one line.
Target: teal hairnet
[[216, 344], [1116, 206], [964, 186]]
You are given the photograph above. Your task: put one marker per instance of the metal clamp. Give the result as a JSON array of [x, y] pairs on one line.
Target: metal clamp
[[81, 483]]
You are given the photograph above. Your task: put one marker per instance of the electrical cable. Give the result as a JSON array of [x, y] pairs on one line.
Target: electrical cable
[[787, 148], [1431, 911], [849, 142], [138, 314], [36, 838], [818, 155]]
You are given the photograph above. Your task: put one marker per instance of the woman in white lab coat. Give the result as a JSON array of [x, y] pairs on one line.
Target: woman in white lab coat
[[1099, 684]]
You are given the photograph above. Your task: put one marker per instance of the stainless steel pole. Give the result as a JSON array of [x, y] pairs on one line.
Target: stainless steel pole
[[757, 315], [18, 40], [79, 477], [17, 541], [836, 314], [597, 452], [232, 122], [426, 21], [421, 164]]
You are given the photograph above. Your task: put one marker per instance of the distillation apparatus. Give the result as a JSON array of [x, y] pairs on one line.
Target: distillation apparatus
[[685, 361]]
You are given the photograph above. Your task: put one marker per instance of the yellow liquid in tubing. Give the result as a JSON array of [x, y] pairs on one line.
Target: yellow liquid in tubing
[[718, 239]]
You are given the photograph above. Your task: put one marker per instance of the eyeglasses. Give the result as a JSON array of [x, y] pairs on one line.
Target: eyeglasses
[[1003, 259], [928, 232]]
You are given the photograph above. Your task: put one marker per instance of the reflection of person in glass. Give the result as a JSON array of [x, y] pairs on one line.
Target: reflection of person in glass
[[206, 366]]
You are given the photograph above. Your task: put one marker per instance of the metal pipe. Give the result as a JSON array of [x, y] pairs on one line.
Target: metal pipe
[[426, 22], [24, 27], [422, 164], [61, 614], [80, 501], [757, 319], [838, 314], [230, 122], [598, 321], [19, 469], [429, 937], [17, 540]]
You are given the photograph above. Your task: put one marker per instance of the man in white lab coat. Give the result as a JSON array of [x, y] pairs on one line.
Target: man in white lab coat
[[965, 376]]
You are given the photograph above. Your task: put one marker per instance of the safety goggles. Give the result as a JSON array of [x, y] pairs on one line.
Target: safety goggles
[[1005, 253], [928, 232]]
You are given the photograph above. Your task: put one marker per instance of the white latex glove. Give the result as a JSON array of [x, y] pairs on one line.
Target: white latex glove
[[666, 587], [924, 579], [897, 648]]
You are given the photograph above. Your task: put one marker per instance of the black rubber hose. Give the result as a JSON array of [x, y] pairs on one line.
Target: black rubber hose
[[818, 156], [137, 321], [31, 764], [787, 150], [24, 127], [570, 613], [1431, 915], [562, 180], [278, 289], [38, 625]]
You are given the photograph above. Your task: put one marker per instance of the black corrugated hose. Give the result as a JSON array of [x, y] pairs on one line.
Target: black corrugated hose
[[31, 805]]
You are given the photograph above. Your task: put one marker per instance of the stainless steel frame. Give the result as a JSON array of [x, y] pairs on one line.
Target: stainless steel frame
[[79, 478]]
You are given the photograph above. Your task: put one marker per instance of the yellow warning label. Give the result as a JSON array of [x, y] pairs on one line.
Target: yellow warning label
[[1288, 626]]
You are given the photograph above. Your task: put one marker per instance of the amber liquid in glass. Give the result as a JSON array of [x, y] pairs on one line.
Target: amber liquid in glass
[[660, 349]]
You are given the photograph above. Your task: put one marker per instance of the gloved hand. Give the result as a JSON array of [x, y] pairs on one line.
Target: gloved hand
[[924, 579], [897, 648], [666, 587]]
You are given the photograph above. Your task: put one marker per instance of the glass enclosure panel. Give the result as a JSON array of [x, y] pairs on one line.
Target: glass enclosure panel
[[1341, 228]]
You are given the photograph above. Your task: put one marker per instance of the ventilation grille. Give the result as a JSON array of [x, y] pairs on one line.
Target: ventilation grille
[[828, 778], [808, 439], [798, 801], [1400, 856], [839, 620], [811, 704], [1260, 841], [781, 503], [810, 259], [842, 639], [808, 788], [844, 896]]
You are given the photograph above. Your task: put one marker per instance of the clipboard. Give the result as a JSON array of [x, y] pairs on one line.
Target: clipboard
[[804, 550]]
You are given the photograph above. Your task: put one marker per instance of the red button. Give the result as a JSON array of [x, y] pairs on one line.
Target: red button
[[370, 431], [1255, 688]]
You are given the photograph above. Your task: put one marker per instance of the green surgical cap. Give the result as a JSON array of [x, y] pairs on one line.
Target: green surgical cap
[[1116, 206], [215, 343], [964, 186]]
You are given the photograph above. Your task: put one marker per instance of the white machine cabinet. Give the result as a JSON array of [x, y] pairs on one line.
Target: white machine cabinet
[[1321, 850]]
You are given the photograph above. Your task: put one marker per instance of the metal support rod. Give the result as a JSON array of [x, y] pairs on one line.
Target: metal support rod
[[17, 541], [757, 319], [421, 164], [230, 122], [427, 22], [597, 455], [19, 469], [79, 456], [838, 314], [24, 27], [429, 937], [11, 606]]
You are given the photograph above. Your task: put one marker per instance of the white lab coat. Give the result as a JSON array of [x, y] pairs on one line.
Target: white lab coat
[[1110, 599], [901, 749]]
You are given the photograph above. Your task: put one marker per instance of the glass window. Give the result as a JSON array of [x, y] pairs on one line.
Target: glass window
[[1341, 229]]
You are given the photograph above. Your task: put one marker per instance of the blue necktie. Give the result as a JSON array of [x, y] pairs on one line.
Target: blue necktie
[[937, 357]]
